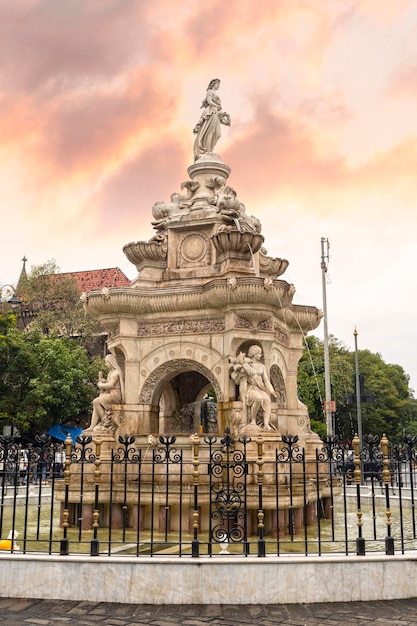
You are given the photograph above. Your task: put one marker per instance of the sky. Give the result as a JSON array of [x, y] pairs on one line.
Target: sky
[[98, 99]]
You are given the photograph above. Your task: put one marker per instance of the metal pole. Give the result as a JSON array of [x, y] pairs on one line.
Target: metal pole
[[358, 390], [328, 391]]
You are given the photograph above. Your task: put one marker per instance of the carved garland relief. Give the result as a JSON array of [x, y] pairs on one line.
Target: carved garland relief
[[176, 327]]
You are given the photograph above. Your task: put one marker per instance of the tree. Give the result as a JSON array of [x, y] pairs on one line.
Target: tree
[[43, 379], [311, 382], [393, 409], [52, 306]]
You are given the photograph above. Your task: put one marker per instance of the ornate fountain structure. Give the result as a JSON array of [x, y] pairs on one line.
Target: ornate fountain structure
[[206, 317]]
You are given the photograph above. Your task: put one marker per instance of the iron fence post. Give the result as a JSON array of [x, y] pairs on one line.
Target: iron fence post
[[94, 549], [64, 547], [195, 442], [389, 540], [261, 514], [360, 541]]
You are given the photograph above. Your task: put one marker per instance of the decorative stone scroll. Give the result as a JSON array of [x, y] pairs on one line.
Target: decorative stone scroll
[[281, 335], [271, 266]]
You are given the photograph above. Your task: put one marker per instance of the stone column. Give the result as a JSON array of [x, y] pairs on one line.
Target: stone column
[[87, 516], [138, 517], [164, 519], [311, 514], [117, 515]]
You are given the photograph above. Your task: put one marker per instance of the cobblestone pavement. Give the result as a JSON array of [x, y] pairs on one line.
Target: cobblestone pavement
[[19, 612]]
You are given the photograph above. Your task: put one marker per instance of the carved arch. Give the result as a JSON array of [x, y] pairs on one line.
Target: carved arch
[[278, 384], [165, 372]]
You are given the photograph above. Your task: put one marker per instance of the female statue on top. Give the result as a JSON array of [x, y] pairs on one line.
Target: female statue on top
[[207, 130]]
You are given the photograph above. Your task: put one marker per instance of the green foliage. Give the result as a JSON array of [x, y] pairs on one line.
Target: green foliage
[[43, 379], [52, 306], [393, 410], [311, 379]]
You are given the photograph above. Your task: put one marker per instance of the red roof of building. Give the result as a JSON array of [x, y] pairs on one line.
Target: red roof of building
[[97, 279]]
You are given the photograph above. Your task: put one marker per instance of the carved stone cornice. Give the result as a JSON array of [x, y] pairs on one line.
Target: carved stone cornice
[[215, 294]]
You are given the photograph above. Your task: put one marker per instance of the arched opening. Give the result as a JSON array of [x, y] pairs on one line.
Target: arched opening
[[186, 394]]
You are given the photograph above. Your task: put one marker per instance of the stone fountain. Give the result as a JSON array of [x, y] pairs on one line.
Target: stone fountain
[[207, 319]]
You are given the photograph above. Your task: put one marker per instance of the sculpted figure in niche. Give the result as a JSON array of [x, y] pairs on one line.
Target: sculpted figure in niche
[[207, 130], [111, 392], [254, 385]]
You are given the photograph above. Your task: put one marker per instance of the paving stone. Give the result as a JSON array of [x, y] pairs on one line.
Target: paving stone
[[29, 612]]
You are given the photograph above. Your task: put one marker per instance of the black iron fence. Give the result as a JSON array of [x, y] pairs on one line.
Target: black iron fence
[[205, 496]]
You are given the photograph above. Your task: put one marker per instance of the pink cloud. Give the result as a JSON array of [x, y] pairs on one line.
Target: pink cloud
[[404, 82], [125, 200], [290, 164], [290, 158], [47, 44]]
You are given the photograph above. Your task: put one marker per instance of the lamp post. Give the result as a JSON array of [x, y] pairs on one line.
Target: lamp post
[[11, 298], [6, 290], [13, 302]]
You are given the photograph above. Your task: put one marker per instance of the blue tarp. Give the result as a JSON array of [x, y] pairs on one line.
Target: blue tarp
[[61, 431]]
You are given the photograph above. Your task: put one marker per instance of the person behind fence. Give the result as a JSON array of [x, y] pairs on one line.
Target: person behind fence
[[34, 460], [208, 415], [59, 461], [111, 392], [23, 466], [43, 466]]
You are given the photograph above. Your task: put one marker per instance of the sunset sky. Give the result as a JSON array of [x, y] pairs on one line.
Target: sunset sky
[[98, 99]]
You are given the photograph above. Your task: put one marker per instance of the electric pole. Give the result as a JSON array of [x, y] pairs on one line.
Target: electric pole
[[328, 404], [358, 390]]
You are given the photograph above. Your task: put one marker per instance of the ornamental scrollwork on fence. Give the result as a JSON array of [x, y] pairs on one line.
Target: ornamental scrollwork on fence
[[126, 453], [290, 452], [165, 453], [83, 452], [331, 451], [228, 468]]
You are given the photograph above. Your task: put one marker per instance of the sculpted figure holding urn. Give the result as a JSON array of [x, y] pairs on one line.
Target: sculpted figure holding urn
[[111, 392], [254, 385], [207, 130]]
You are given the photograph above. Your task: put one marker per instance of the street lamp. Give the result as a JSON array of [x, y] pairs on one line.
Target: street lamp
[[8, 289], [11, 298]]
